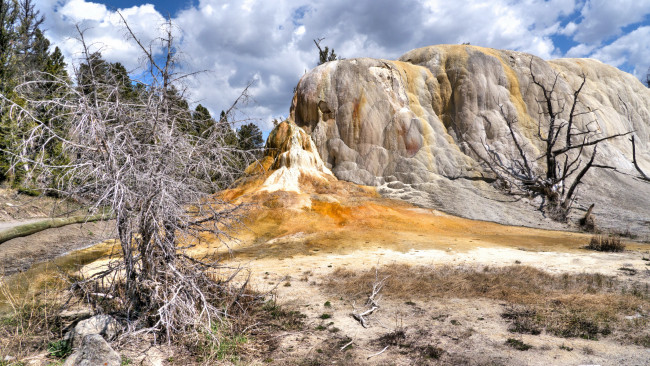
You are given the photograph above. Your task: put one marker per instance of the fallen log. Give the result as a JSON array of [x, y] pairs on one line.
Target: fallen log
[[50, 223]]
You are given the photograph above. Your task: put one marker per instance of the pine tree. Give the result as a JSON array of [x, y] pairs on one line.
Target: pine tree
[[24, 56], [202, 120], [249, 138], [324, 54]]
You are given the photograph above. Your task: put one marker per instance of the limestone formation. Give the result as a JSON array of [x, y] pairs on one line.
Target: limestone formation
[[407, 125], [292, 154]]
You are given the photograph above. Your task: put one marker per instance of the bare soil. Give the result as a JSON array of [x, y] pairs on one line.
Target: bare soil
[[314, 253], [19, 254]]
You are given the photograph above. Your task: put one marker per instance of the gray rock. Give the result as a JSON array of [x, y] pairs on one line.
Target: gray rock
[[94, 351], [374, 121], [104, 325]]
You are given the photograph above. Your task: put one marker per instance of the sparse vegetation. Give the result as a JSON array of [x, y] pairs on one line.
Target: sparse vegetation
[[518, 344], [604, 243], [581, 305], [566, 348]]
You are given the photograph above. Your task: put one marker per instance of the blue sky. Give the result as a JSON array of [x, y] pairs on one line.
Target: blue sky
[[270, 41]]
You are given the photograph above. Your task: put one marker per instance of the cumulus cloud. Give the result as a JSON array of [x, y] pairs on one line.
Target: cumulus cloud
[[602, 19], [271, 42], [632, 49]]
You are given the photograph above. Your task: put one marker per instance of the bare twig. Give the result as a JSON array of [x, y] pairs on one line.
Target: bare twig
[[372, 303], [378, 353], [346, 345]]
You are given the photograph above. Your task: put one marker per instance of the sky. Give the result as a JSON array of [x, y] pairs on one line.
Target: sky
[[270, 42]]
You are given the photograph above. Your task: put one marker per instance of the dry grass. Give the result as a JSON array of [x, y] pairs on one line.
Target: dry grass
[[30, 323], [576, 305], [603, 243]]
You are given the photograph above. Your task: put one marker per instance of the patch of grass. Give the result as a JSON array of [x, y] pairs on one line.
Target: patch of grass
[[566, 348], [627, 270], [394, 338], [643, 340], [327, 304], [518, 345], [583, 305], [345, 342], [432, 352], [282, 318], [603, 243], [59, 349], [325, 316], [410, 303], [523, 320], [32, 321]]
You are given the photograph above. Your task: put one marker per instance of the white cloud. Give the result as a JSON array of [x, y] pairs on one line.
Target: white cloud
[[271, 41], [78, 10], [632, 48], [602, 19], [569, 29], [581, 50]]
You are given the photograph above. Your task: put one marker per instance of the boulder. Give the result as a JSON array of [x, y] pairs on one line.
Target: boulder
[[94, 351], [104, 325]]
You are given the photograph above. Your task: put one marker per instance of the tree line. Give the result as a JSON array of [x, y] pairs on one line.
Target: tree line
[[26, 58]]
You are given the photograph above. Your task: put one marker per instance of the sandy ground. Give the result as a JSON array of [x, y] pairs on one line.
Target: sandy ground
[[290, 249]]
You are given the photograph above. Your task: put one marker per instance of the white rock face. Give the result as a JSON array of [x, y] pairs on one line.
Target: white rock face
[[378, 122], [295, 156]]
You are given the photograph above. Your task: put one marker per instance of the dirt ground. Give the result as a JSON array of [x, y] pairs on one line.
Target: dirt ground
[[19, 254], [463, 331], [294, 244], [15, 206]]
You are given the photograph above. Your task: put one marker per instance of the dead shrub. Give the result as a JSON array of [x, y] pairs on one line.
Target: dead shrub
[[603, 243]]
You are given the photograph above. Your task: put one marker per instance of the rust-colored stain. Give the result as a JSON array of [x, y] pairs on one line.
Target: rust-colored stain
[[352, 218], [359, 108]]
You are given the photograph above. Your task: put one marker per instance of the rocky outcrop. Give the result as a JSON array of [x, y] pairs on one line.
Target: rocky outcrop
[[292, 155], [406, 126]]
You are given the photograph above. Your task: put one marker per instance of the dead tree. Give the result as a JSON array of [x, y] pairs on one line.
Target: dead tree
[[564, 144], [130, 152], [324, 54], [643, 176]]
